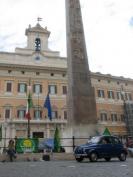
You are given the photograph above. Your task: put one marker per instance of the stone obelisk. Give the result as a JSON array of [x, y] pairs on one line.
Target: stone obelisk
[[81, 99]]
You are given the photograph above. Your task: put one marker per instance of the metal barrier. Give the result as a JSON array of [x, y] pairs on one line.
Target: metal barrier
[[65, 142]]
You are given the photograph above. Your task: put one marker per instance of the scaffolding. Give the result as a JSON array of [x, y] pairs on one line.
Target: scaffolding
[[128, 115]]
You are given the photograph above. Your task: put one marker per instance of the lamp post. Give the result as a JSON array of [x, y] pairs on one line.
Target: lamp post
[[38, 105], [5, 131], [28, 108]]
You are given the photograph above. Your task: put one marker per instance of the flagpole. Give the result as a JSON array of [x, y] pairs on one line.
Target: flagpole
[[28, 131], [28, 134]]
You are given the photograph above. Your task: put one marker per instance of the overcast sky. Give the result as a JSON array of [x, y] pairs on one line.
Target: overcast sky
[[108, 26]]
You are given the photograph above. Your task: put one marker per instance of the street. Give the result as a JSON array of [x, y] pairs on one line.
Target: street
[[114, 168]]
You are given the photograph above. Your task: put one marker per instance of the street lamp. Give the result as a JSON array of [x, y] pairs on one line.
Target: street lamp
[[5, 131]]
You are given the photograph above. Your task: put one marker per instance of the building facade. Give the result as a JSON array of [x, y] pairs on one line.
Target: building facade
[[45, 71]]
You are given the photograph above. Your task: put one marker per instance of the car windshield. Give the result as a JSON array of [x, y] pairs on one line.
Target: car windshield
[[94, 139]]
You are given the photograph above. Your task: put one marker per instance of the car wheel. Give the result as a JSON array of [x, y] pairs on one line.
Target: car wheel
[[122, 156], [107, 159], [80, 159], [93, 157]]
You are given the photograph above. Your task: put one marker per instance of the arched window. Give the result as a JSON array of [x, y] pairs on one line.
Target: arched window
[[37, 44]]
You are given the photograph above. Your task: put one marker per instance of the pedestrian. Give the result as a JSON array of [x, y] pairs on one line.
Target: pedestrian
[[11, 150]]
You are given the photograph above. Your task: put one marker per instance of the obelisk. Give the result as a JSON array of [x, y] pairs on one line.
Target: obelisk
[[81, 100]]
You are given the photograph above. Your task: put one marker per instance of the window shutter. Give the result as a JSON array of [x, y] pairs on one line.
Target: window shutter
[[17, 113], [40, 88], [34, 114], [40, 114], [7, 113], [8, 87], [64, 90], [56, 114], [25, 87], [55, 89], [34, 88], [18, 87], [108, 94], [49, 88]]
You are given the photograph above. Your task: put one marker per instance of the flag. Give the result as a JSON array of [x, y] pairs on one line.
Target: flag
[[29, 105], [39, 19], [47, 105]]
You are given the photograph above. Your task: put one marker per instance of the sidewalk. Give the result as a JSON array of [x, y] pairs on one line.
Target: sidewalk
[[38, 156]]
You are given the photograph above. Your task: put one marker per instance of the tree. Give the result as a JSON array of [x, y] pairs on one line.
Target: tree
[[106, 132], [57, 144]]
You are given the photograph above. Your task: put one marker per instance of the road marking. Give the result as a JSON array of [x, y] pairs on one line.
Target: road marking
[[123, 165], [71, 166]]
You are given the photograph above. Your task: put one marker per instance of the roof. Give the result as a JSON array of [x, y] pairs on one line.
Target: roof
[[37, 28]]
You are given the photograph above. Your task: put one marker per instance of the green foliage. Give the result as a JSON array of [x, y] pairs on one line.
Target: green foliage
[[106, 132], [57, 144]]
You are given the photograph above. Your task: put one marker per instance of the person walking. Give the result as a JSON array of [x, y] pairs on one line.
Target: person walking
[[11, 150]]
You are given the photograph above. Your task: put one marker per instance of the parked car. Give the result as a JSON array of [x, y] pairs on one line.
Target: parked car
[[99, 147]]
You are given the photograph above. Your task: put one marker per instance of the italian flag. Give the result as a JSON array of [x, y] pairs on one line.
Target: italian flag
[[29, 105]]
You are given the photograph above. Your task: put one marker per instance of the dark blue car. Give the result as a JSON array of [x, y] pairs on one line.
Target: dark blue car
[[99, 147]]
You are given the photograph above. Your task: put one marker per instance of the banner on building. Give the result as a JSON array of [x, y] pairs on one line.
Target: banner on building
[[26, 145]]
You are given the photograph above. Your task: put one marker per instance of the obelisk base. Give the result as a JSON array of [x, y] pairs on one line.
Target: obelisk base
[[77, 135]]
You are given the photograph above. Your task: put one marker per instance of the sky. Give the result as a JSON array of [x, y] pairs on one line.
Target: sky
[[108, 27]]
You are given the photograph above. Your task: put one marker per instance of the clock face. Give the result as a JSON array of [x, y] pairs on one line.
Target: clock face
[[37, 58]]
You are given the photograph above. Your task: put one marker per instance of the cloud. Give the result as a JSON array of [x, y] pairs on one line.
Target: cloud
[[107, 25], [131, 22]]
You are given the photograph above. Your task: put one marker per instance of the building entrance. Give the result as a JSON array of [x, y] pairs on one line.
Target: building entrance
[[38, 135]]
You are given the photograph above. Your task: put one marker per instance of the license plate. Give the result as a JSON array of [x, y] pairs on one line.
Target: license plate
[[77, 156]]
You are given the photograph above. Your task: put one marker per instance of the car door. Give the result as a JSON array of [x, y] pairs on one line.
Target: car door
[[105, 147], [117, 146]]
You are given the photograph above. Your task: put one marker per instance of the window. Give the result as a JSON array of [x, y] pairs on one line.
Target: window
[[37, 114], [8, 87], [21, 114], [119, 96], [122, 118], [7, 113], [101, 93], [52, 89], [128, 96], [54, 114], [52, 74], [111, 94], [115, 140], [37, 73], [63, 75], [22, 88], [103, 117], [114, 117], [9, 71], [22, 72], [64, 90], [37, 88], [65, 114]]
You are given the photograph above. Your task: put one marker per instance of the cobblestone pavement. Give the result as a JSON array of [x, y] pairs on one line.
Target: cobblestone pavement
[[114, 168]]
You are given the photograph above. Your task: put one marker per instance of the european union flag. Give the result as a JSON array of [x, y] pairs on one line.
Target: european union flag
[[47, 105]]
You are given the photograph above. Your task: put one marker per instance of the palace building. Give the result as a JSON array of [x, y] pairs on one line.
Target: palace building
[[46, 71]]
